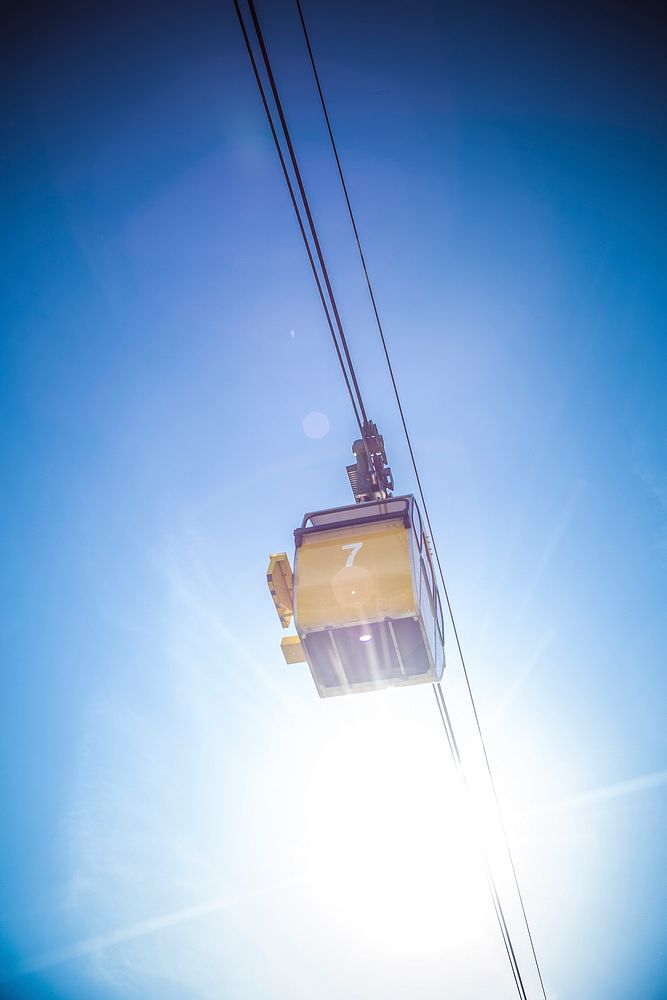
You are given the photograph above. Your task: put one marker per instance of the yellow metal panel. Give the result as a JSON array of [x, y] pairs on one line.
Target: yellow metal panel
[[355, 574], [292, 649], [279, 579]]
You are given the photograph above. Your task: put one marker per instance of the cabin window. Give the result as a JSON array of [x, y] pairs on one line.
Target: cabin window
[[439, 618]]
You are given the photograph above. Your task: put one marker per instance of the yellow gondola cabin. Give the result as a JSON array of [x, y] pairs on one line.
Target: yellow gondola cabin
[[363, 596]]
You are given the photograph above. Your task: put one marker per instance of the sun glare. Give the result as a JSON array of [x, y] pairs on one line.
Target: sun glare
[[383, 840]]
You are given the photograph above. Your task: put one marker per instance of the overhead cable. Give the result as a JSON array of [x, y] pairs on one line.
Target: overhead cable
[[419, 485], [490, 878], [297, 212], [347, 367], [330, 307]]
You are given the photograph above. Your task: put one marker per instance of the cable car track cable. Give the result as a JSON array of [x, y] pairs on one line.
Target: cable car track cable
[[306, 204], [297, 212], [493, 888], [421, 491], [350, 373], [358, 404]]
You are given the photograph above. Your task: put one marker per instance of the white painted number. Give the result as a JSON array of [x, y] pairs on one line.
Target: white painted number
[[354, 548]]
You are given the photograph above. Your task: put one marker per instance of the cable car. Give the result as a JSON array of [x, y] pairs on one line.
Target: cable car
[[363, 594]]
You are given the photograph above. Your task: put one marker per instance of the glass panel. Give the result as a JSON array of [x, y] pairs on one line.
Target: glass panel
[[410, 642], [428, 618], [427, 573], [441, 624], [439, 657], [322, 658], [417, 525], [357, 512], [367, 653]]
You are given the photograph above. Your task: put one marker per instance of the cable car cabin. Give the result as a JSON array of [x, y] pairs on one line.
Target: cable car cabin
[[363, 596]]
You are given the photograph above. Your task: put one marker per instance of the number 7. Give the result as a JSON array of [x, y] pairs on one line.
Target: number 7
[[354, 547]]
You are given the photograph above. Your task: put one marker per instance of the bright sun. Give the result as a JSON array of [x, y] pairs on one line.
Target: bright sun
[[382, 843]]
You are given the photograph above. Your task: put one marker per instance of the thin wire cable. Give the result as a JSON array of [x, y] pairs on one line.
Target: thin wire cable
[[297, 212], [359, 398], [495, 896], [421, 491], [342, 176], [304, 198]]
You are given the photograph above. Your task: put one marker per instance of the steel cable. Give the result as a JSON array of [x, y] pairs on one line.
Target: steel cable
[[306, 204], [297, 211], [352, 385], [490, 878], [419, 485]]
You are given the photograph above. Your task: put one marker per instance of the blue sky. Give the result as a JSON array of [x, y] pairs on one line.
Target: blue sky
[[182, 817]]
